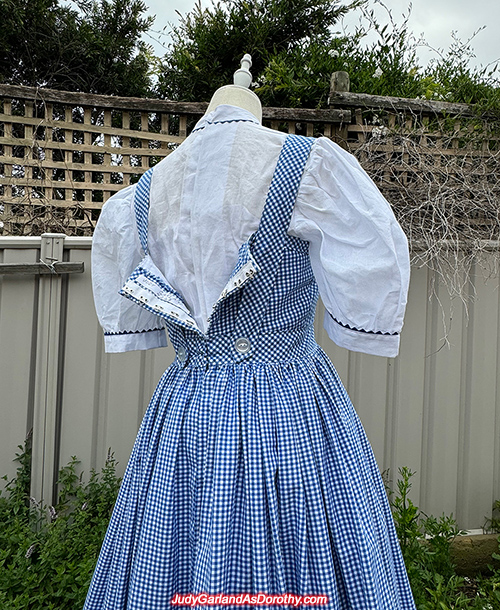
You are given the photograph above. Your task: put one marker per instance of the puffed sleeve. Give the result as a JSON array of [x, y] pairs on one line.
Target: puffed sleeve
[[116, 252], [358, 251]]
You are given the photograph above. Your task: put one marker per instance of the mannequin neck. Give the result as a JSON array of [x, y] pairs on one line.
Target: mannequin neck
[[234, 95]]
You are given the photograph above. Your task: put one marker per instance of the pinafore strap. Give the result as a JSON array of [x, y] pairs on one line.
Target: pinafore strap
[[271, 236], [281, 196], [141, 207]]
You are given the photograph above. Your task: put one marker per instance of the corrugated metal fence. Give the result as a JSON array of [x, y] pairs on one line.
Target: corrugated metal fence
[[435, 409]]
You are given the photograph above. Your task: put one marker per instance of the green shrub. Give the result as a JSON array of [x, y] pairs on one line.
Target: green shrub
[[493, 524], [425, 544], [48, 554], [295, 51]]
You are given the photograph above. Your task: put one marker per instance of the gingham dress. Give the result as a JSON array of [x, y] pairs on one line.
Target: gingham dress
[[251, 471]]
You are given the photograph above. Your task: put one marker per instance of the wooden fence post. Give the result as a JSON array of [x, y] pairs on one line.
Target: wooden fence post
[[339, 82]]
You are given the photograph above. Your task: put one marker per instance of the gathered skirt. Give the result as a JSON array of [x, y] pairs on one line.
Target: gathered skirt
[[249, 478]]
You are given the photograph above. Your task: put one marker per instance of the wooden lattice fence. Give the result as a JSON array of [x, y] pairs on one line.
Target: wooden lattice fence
[[421, 148], [62, 155]]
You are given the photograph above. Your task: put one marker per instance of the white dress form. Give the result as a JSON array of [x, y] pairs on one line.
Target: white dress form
[[238, 94]]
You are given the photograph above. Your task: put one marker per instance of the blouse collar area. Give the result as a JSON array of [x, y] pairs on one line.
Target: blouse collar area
[[225, 114]]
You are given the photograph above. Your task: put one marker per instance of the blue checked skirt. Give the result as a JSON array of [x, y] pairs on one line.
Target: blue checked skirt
[[251, 471]]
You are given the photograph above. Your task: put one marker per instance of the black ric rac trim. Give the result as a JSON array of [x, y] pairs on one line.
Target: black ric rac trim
[[361, 330], [133, 332]]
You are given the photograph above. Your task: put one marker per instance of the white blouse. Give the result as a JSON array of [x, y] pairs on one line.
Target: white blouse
[[206, 200]]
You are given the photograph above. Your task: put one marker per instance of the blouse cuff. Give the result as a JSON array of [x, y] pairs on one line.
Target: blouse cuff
[[377, 344], [128, 341]]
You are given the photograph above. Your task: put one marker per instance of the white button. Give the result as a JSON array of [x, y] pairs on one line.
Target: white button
[[181, 353], [242, 345]]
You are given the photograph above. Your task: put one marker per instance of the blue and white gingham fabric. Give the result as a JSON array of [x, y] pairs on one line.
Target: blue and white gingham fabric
[[251, 471], [141, 207]]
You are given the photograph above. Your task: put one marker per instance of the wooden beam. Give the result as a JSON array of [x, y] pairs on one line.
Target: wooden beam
[[102, 101], [297, 115], [363, 100], [156, 105], [40, 268]]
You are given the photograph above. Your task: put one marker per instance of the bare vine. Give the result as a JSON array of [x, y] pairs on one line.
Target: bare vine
[[442, 178]]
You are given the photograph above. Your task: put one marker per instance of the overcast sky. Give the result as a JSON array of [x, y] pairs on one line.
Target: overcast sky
[[434, 19]]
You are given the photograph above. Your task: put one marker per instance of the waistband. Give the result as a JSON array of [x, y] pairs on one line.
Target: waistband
[[219, 350]]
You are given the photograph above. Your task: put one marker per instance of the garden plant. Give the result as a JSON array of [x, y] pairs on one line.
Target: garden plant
[[48, 553]]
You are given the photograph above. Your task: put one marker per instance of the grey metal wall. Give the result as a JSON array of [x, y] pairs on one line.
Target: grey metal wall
[[435, 409]]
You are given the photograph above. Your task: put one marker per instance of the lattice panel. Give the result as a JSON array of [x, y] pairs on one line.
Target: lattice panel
[[62, 155], [381, 137], [60, 163], [440, 172]]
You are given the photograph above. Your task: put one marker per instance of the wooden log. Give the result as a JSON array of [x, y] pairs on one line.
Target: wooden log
[[156, 105], [102, 101], [312, 115], [363, 100]]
